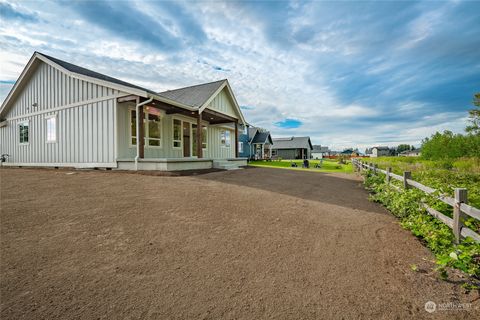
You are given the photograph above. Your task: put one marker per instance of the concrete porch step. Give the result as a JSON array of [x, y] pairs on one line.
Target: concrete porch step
[[225, 165]]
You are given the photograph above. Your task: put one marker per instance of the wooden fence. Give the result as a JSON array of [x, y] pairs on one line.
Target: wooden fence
[[461, 209]]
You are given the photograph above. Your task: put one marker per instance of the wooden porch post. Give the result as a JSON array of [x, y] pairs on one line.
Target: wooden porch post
[[141, 126], [199, 136], [236, 139]]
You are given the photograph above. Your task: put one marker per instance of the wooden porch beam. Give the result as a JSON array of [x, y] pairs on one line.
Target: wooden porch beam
[[220, 122], [221, 115]]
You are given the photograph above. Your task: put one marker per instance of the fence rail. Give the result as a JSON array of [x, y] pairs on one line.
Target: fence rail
[[461, 209]]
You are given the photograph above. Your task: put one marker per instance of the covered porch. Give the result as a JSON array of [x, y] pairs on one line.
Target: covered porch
[[262, 151], [172, 137]]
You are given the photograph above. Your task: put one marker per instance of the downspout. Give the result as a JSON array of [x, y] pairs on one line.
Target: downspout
[[138, 129]]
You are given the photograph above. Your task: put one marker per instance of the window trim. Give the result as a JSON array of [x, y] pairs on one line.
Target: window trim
[[19, 136], [146, 130], [173, 134], [52, 116], [240, 146]]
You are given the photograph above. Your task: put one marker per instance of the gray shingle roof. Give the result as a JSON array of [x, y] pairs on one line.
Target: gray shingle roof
[[251, 132], [194, 96], [262, 137], [89, 73], [292, 143]]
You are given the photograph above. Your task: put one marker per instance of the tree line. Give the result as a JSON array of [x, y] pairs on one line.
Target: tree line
[[449, 145]]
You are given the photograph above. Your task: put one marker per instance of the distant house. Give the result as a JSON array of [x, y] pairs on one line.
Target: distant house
[[318, 152], [380, 152], [292, 148], [411, 153], [348, 152], [255, 143], [62, 115]]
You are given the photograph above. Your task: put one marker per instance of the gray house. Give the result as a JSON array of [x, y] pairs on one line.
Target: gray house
[[62, 115], [292, 148]]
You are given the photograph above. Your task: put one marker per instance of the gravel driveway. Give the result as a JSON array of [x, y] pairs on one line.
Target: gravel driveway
[[246, 244]]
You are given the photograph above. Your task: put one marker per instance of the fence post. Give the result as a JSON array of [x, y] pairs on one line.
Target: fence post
[[375, 168], [406, 175], [389, 170], [458, 215]]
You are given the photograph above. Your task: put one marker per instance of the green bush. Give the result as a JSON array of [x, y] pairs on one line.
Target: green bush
[[438, 237]]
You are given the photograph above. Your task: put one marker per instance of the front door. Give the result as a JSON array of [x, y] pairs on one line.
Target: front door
[[186, 139]]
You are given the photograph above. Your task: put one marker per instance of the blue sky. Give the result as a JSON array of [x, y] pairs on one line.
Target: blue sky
[[344, 73]]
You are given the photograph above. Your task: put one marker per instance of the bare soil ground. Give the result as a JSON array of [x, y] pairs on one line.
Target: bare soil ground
[[248, 244]]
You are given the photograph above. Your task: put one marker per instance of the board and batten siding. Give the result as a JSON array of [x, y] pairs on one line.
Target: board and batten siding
[[126, 150], [85, 124], [223, 104]]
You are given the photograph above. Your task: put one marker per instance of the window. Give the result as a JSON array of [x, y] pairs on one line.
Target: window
[[51, 128], [240, 146], [153, 128], [23, 132], [204, 137], [177, 133], [225, 138], [133, 127]]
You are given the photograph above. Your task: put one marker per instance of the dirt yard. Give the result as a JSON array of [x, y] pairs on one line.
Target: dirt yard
[[248, 244]]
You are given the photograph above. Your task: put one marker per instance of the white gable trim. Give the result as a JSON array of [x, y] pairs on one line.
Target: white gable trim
[[104, 83], [17, 83], [38, 56], [230, 92], [209, 100], [126, 89]]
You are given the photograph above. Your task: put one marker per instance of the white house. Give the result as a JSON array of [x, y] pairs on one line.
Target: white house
[[62, 115], [379, 152]]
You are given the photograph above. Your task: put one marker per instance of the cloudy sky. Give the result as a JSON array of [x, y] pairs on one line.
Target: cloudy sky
[[344, 73]]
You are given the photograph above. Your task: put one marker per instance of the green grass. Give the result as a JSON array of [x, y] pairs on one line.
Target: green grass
[[328, 165]]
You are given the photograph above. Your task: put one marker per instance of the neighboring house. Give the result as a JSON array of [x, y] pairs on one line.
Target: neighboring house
[[318, 152], [379, 152], [255, 143], [58, 114], [292, 148], [349, 153], [411, 153], [244, 141]]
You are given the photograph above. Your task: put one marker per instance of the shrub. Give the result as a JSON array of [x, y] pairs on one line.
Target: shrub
[[437, 236]]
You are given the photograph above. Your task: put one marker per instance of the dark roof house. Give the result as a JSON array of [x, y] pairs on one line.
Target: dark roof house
[[293, 147]]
